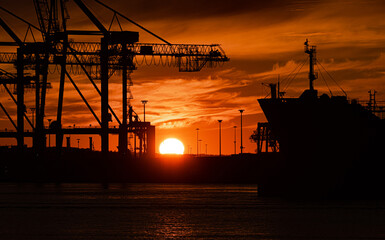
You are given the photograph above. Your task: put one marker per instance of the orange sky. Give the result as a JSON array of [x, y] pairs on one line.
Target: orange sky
[[262, 41]]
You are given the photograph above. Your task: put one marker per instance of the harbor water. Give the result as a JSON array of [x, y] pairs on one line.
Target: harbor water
[[175, 211]]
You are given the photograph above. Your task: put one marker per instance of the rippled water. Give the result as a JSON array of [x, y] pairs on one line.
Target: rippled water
[[156, 211]]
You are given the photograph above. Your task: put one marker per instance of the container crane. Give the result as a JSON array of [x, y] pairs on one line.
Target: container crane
[[116, 51]]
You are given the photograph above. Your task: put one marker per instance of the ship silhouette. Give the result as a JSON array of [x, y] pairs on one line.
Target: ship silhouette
[[332, 146]]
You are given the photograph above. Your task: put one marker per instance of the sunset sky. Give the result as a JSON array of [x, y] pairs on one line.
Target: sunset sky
[[263, 39]]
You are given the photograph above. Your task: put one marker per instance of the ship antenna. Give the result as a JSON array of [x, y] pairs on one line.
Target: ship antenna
[[311, 50]]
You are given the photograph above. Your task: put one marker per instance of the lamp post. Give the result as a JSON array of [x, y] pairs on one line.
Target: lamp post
[[197, 141], [144, 109], [220, 137], [241, 111], [49, 134], [144, 120], [235, 140]]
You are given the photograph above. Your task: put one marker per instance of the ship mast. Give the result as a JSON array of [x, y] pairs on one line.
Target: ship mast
[[311, 50]]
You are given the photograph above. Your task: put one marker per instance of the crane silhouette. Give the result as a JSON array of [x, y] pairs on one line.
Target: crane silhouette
[[116, 52]]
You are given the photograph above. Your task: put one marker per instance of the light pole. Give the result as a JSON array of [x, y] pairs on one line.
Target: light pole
[[144, 120], [220, 137], [197, 141], [200, 145], [235, 140], [49, 134], [144, 109], [241, 111]]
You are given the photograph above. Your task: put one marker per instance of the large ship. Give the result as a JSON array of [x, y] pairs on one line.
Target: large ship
[[332, 146]]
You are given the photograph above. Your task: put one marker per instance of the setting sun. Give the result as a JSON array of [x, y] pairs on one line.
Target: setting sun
[[171, 146]]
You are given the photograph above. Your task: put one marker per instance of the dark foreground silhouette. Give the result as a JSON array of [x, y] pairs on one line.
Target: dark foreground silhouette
[[82, 165]]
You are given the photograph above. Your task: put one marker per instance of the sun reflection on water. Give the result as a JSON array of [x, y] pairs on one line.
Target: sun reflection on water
[[173, 225]]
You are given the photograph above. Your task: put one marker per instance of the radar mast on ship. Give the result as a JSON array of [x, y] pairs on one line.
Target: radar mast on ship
[[311, 50]]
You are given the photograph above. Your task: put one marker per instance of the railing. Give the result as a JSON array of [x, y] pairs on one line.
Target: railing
[[377, 108]]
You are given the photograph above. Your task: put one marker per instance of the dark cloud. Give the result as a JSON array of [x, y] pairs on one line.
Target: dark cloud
[[176, 9]]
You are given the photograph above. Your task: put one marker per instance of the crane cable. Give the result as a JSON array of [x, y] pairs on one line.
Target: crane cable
[[332, 79], [291, 80], [289, 75], [319, 70], [133, 22], [117, 20]]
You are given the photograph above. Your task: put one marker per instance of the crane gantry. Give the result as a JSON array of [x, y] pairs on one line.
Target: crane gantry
[[117, 51]]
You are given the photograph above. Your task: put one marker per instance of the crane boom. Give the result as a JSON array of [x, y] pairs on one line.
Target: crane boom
[[188, 57]]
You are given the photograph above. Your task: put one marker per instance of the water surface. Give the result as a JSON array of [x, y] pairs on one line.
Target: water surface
[[172, 211]]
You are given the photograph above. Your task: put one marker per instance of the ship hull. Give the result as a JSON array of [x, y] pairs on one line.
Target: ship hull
[[332, 147]]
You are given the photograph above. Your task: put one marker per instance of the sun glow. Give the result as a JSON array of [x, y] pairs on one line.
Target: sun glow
[[171, 146]]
